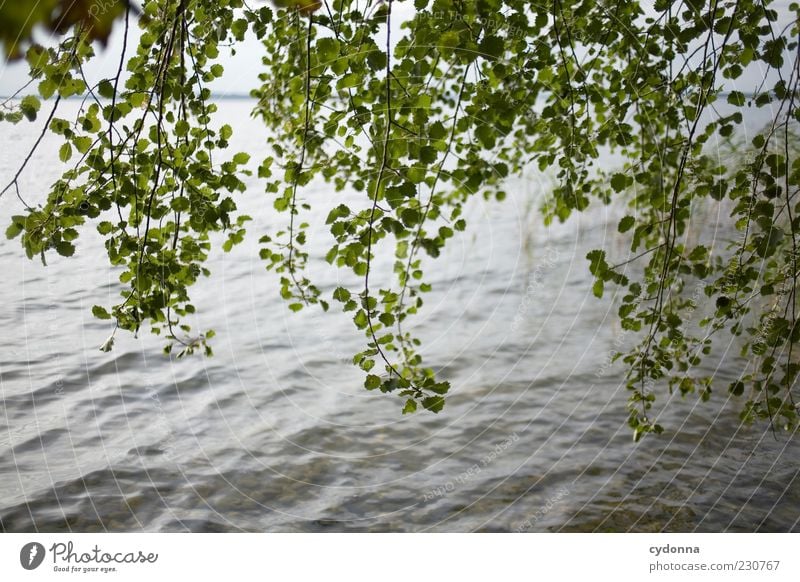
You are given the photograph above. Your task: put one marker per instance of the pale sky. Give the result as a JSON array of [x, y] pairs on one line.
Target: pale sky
[[242, 69]]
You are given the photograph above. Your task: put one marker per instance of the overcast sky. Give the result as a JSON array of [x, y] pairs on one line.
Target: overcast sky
[[242, 69]]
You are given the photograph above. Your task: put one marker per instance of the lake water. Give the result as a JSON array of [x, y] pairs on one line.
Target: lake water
[[275, 432]]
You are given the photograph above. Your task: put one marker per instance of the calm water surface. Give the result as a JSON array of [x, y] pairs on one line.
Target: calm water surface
[[275, 433]]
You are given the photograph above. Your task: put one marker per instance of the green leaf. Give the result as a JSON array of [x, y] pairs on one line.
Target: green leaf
[[14, 229], [82, 144], [327, 50], [348, 81], [416, 175], [437, 130], [492, 46], [377, 60], [100, 312], [360, 319], [37, 56], [486, 135], [239, 28], [65, 249], [340, 211], [626, 224], [180, 204], [65, 152], [736, 98], [433, 403], [597, 288], [597, 262], [105, 227], [619, 182], [47, 88], [106, 89], [410, 216], [30, 106], [341, 294], [372, 382]]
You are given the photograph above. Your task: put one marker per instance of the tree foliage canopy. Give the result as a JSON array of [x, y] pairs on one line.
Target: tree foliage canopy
[[468, 94]]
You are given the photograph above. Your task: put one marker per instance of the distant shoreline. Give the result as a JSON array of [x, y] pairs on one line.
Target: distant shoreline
[[241, 97], [245, 97]]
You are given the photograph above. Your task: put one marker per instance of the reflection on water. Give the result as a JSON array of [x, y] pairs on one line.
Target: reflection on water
[[275, 433]]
